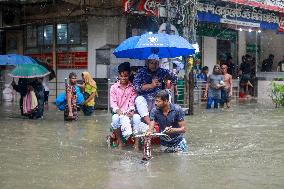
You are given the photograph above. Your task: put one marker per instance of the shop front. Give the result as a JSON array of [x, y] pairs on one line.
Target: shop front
[[237, 24], [254, 31]]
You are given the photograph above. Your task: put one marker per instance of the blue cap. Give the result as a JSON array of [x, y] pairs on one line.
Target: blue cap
[[153, 57]]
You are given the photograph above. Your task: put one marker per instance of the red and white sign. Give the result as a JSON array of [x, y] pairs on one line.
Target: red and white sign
[[273, 5], [281, 24], [64, 60], [143, 7], [45, 58]]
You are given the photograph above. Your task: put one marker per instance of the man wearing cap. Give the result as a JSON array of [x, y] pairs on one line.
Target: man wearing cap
[[148, 81]]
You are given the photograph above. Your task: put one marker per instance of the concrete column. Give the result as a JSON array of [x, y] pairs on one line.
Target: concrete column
[[96, 39], [101, 32], [241, 45], [209, 52]]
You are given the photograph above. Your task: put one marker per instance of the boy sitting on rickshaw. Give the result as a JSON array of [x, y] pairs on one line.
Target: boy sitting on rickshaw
[[122, 96]]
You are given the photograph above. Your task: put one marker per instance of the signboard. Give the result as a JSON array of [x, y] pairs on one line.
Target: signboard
[[143, 7], [252, 48], [212, 31], [228, 12], [72, 60], [281, 24], [273, 5], [45, 58], [64, 60], [238, 22], [252, 18]]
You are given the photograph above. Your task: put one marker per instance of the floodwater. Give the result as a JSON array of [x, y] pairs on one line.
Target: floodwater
[[228, 149]]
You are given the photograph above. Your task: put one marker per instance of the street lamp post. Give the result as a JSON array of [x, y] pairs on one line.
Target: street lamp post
[[190, 34]]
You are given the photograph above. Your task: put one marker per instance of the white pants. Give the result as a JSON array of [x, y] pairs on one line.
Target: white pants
[[125, 122], [143, 106]]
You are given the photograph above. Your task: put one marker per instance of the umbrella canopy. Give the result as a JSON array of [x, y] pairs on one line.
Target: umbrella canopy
[[163, 45], [15, 59], [29, 71]]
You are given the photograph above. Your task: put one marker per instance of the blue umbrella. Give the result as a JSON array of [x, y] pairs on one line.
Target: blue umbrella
[[163, 45], [15, 59]]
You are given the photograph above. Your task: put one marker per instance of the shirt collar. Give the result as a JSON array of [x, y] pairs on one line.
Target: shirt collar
[[118, 84], [172, 108]]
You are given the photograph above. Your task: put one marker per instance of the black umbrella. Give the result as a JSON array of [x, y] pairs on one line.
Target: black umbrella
[[52, 74]]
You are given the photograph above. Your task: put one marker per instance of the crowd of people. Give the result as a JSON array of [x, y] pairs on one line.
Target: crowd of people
[[137, 106], [139, 101], [217, 88]]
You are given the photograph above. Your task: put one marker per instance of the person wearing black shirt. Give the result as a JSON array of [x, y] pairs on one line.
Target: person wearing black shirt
[[267, 64]]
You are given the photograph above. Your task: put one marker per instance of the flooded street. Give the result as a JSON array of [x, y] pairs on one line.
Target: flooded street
[[238, 148]]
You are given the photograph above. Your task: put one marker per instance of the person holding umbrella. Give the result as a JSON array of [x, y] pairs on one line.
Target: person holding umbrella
[[148, 81], [28, 75], [38, 88], [21, 88]]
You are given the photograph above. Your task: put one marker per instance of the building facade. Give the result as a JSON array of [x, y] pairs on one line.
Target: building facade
[[74, 35]]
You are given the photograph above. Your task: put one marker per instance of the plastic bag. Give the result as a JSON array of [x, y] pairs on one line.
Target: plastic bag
[[61, 99], [7, 93]]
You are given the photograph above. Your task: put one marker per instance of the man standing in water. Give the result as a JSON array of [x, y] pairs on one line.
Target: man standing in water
[[213, 87], [227, 90], [170, 117]]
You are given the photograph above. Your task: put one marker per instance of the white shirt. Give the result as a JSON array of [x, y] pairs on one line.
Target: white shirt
[[45, 83]]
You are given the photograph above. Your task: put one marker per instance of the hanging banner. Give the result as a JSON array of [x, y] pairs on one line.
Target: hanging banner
[[143, 7], [273, 5]]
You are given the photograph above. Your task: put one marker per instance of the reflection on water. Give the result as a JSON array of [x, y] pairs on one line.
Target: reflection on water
[[238, 148]]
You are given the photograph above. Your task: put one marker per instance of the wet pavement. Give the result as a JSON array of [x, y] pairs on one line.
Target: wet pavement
[[228, 149]]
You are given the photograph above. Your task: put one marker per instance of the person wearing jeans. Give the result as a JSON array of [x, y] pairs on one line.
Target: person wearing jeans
[[213, 87]]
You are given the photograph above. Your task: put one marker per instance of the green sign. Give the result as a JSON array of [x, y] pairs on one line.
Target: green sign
[[251, 48], [219, 33]]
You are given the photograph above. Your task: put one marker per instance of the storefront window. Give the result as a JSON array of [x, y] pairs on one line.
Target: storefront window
[[47, 34], [84, 33], [44, 35], [31, 38], [68, 34], [40, 35], [61, 34], [71, 44], [74, 33]]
